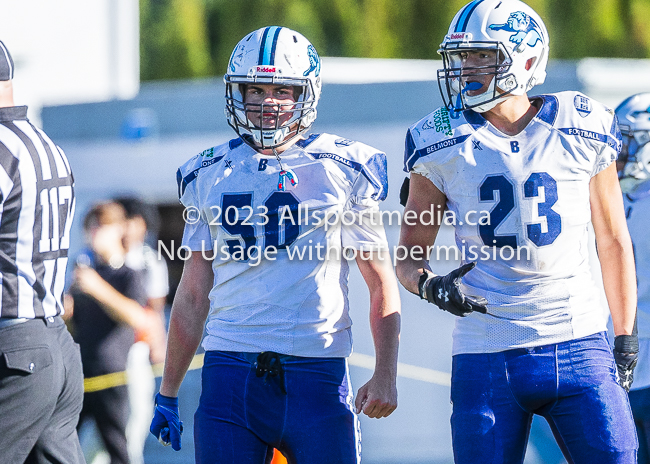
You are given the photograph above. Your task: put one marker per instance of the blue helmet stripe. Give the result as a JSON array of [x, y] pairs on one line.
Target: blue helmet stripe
[[260, 60], [267, 47], [274, 45], [461, 25]]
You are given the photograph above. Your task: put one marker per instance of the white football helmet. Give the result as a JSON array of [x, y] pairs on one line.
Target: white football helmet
[[514, 32], [634, 121], [272, 55]]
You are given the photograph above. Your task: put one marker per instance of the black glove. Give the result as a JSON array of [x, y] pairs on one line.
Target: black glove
[[444, 292], [626, 352]]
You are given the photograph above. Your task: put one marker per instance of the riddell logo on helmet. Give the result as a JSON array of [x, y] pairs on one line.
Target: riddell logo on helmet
[[460, 36], [266, 69]]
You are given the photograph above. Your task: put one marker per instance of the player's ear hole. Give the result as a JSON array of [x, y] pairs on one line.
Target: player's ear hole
[[530, 63]]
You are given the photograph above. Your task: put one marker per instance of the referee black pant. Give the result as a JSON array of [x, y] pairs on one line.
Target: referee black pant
[[41, 394]]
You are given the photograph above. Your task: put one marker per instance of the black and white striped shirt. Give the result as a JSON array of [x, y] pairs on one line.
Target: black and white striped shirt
[[36, 210]]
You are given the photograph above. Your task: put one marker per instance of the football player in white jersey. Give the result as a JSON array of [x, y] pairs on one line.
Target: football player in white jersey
[[530, 337], [276, 211], [634, 171]]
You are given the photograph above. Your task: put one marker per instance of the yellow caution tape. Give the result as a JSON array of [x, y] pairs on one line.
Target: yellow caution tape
[[102, 382], [117, 379]]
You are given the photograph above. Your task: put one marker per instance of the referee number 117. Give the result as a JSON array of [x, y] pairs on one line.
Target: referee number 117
[[57, 208]]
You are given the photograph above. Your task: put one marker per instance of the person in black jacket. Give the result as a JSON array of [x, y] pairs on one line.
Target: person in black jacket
[[108, 308]]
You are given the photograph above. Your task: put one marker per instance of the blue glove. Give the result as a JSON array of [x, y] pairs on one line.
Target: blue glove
[[166, 425]]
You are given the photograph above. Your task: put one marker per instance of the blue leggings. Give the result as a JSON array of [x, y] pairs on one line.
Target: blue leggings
[[572, 385], [242, 417]]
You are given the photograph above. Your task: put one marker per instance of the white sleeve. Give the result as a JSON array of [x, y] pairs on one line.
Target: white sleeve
[[609, 152], [362, 228], [413, 164], [196, 235]]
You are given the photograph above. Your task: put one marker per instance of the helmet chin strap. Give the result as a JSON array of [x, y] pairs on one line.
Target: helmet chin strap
[[471, 86], [489, 105], [265, 138]]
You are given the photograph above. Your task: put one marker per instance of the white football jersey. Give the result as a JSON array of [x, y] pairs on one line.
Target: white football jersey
[[280, 277], [532, 193]]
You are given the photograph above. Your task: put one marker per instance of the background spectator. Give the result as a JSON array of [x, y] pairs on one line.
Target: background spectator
[[141, 224], [108, 299]]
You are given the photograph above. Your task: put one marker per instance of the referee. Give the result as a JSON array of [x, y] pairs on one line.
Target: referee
[[41, 382]]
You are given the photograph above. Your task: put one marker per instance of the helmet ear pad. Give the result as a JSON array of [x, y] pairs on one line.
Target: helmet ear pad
[[530, 62]]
